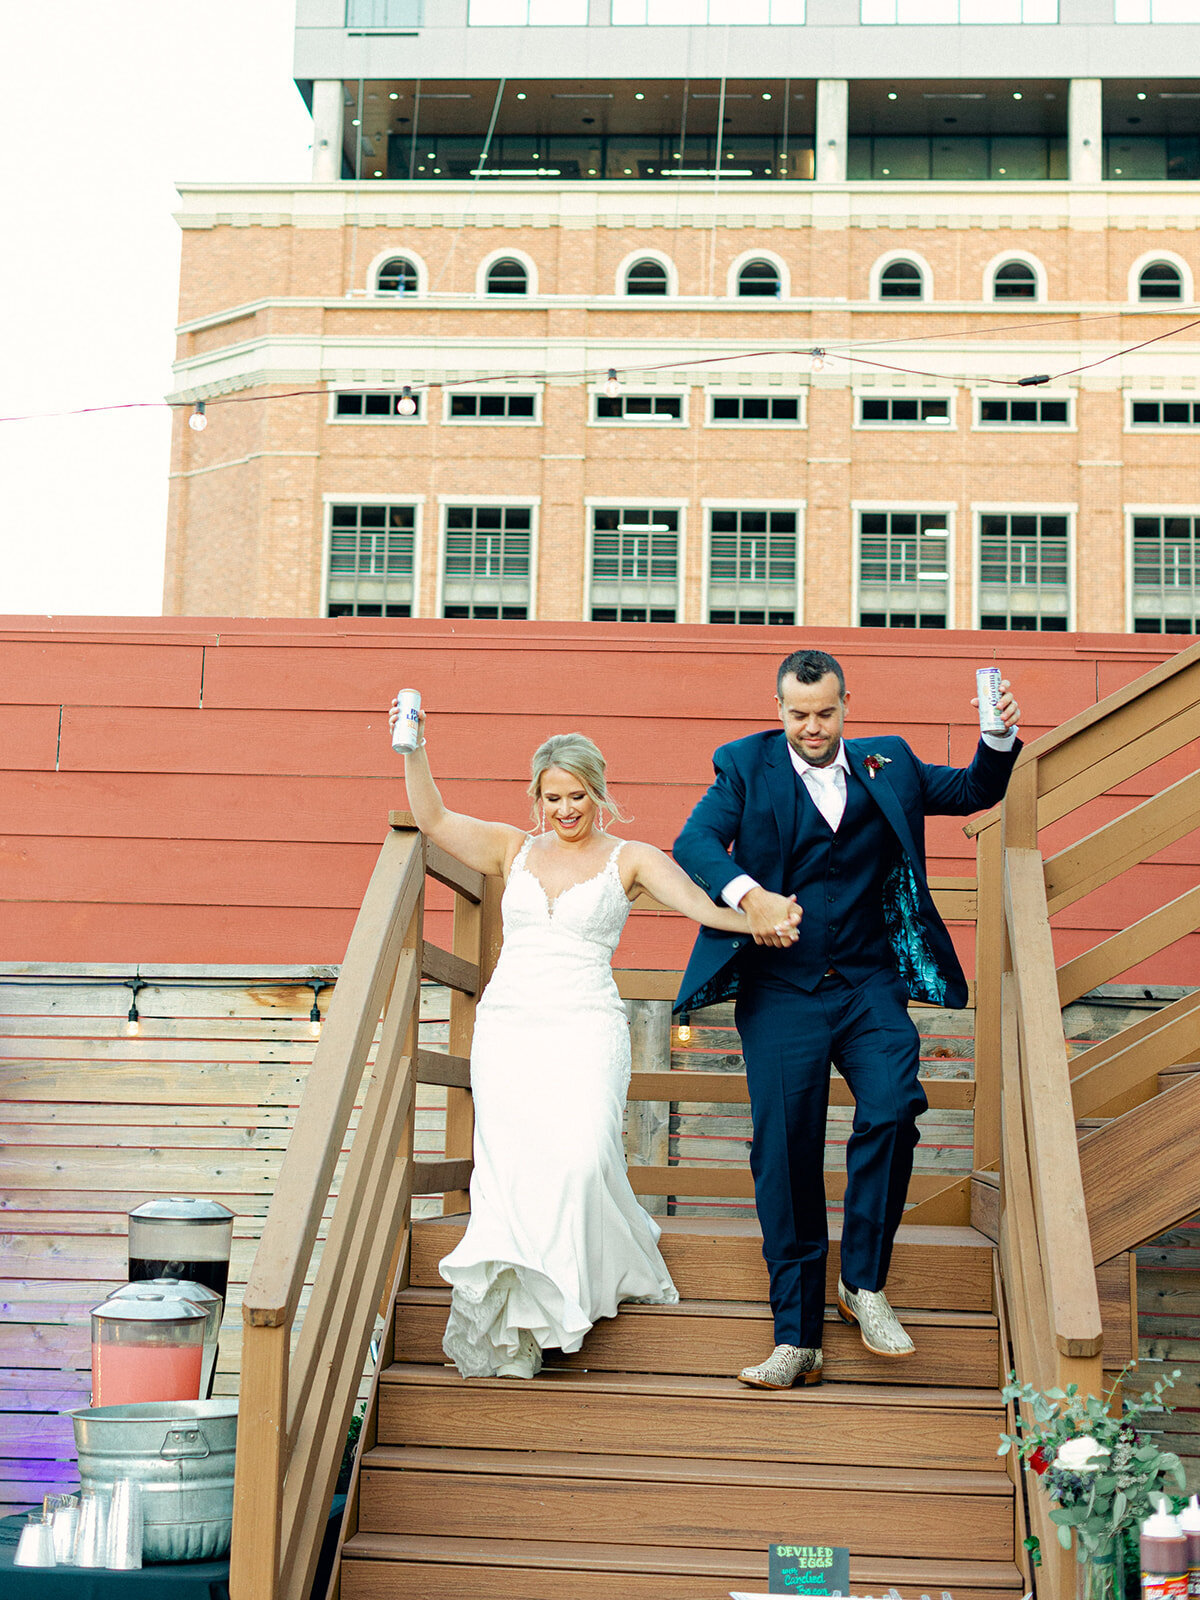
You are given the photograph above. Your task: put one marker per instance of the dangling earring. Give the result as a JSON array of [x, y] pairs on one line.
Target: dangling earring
[[542, 829]]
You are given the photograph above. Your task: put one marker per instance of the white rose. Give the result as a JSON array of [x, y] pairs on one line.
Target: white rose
[[1081, 1454]]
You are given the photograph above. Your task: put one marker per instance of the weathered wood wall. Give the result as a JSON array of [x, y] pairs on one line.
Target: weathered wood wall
[[203, 791], [200, 1102]]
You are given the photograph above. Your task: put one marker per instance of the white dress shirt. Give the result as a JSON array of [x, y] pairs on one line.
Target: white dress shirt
[[827, 790]]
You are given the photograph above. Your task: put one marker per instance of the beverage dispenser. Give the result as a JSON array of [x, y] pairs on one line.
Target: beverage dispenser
[[146, 1347], [208, 1300], [177, 1238]]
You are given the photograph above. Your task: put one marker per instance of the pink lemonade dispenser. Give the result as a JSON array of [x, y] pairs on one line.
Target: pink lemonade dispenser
[[146, 1347]]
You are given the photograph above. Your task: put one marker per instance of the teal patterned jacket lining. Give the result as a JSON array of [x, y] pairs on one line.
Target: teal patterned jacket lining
[[922, 976]]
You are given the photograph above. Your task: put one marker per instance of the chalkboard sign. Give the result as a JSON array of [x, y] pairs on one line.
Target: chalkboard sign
[[809, 1569]]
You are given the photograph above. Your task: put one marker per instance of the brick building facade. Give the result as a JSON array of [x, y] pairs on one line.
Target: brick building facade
[[814, 414]]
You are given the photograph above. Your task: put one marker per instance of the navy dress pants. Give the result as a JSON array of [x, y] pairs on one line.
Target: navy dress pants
[[790, 1038]]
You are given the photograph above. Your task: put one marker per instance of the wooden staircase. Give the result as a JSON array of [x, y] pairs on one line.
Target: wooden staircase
[[640, 1467]]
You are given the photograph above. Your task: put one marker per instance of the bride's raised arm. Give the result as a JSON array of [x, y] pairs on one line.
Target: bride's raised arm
[[666, 880], [487, 846]]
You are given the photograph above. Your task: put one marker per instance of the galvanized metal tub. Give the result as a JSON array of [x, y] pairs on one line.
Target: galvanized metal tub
[[181, 1452]]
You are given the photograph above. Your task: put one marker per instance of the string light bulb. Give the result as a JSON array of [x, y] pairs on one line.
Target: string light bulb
[[314, 1015], [817, 360], [684, 1033], [133, 1021], [197, 422], [407, 406], [612, 387]]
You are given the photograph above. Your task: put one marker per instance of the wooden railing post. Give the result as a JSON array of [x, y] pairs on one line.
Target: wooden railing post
[[989, 973], [259, 1464]]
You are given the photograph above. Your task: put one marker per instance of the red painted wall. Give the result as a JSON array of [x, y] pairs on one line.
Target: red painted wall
[[207, 790]]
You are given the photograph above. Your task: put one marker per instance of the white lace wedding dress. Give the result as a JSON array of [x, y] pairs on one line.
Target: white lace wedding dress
[[556, 1238]]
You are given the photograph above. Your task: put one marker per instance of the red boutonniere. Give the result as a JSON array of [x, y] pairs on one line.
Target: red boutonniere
[[873, 764]]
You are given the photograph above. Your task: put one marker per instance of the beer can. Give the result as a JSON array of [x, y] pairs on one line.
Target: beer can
[[987, 687], [406, 735]]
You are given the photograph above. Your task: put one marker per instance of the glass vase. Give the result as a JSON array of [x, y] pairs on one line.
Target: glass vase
[[1100, 1577]]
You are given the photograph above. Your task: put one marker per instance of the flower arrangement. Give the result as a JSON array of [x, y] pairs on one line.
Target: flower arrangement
[[1100, 1471]]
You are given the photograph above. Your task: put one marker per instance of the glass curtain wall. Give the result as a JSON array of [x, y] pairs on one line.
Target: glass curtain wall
[[985, 131], [568, 130]]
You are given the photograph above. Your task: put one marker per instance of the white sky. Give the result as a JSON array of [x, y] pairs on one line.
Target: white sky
[[104, 107]]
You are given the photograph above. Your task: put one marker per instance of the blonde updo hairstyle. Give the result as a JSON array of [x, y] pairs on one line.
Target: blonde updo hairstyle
[[577, 754]]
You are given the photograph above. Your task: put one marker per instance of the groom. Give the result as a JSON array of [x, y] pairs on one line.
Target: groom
[[840, 825]]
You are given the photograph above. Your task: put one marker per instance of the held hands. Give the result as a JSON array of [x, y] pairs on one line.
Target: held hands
[[773, 919], [1010, 711]]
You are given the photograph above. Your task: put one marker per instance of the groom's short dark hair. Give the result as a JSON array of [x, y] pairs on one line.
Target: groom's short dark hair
[[809, 666]]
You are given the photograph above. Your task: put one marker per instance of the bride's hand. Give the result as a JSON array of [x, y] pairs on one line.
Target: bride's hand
[[394, 713]]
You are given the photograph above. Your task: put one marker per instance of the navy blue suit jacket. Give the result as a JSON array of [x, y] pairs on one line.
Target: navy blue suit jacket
[[746, 823]]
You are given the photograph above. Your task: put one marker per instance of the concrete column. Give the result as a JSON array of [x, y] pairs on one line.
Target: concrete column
[[328, 110], [1085, 133], [833, 106]]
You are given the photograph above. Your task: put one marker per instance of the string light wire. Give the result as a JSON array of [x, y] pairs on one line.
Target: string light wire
[[847, 353]]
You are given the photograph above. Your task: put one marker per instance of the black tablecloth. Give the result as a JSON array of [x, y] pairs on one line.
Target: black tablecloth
[[173, 1580]]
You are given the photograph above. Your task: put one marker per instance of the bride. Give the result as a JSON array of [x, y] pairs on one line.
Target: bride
[[555, 1237]]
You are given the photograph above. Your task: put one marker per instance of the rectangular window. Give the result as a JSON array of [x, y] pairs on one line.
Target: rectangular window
[[897, 411], [1023, 571], [666, 13], [635, 564], [893, 12], [486, 564], [1024, 413], [1155, 11], [752, 566], [1166, 591], [527, 14], [381, 405], [371, 561], [729, 409], [903, 575], [386, 14], [491, 407], [1164, 414], [638, 408]]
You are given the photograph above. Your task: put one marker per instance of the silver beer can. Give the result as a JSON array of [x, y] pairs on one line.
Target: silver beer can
[[987, 687], [406, 735]]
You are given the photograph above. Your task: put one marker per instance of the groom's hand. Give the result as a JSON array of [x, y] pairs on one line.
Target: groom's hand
[[772, 918]]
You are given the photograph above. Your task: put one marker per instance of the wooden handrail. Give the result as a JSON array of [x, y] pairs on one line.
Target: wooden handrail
[[1057, 1186], [1107, 852], [1067, 1207], [288, 1235], [1104, 723], [1135, 1183], [294, 1410]]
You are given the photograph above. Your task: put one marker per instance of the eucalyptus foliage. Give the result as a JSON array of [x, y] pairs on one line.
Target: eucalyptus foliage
[[1127, 1471]]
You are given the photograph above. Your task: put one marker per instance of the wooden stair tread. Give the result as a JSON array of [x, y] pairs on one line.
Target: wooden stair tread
[[675, 1386], [659, 1469], [943, 1236], [618, 1558], [751, 1310]]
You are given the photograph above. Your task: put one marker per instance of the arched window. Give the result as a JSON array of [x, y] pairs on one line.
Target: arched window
[[397, 276], [1014, 280], [647, 277], [507, 276], [1159, 280], [901, 280], [758, 278]]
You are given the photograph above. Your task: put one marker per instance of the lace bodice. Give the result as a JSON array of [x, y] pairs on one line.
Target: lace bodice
[[594, 909]]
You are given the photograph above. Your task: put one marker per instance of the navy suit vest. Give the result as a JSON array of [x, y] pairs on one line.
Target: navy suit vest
[[837, 879]]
